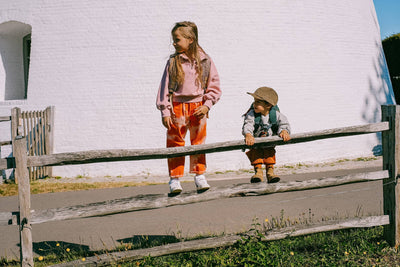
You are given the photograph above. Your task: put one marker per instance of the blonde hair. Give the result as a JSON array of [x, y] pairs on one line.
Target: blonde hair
[[188, 30]]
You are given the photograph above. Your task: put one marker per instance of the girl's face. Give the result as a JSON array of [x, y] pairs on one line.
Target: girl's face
[[261, 106], [181, 43]]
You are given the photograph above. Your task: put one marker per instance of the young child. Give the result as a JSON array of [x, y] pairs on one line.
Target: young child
[[189, 88], [261, 120]]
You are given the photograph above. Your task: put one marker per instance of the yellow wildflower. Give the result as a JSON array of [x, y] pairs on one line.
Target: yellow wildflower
[[58, 244], [40, 258], [67, 249], [291, 253], [266, 220], [365, 253], [346, 253], [83, 259]]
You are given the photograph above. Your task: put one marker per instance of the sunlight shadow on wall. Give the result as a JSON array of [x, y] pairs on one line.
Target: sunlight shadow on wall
[[380, 93]]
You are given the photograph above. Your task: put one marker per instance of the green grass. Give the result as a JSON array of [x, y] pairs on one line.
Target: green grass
[[361, 247], [352, 247]]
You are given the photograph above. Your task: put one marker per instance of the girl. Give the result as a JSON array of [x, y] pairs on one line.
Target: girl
[[188, 89]]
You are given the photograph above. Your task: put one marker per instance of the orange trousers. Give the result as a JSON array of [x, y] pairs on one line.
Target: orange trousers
[[259, 156], [183, 120]]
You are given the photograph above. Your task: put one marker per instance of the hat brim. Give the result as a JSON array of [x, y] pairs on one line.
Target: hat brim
[[256, 96]]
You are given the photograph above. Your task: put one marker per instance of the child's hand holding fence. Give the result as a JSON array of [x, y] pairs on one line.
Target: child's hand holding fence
[[249, 138], [284, 135]]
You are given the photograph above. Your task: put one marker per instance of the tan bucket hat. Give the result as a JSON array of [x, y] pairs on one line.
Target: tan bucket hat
[[267, 94]]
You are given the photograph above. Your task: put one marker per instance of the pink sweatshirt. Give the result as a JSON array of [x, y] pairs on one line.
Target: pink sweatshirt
[[189, 92]]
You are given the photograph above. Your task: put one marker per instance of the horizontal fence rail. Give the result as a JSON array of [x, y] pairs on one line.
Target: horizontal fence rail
[[142, 154], [5, 118], [5, 143], [223, 241], [145, 202]]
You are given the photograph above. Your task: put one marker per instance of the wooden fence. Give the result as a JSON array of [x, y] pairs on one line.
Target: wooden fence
[[37, 127], [390, 142]]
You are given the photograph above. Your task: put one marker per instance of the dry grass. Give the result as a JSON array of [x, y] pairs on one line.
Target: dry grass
[[43, 187]]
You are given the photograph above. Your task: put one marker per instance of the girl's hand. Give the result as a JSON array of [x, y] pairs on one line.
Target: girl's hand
[[284, 135], [201, 111], [167, 122], [249, 138]]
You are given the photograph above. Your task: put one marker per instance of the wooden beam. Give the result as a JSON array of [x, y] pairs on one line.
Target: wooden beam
[[49, 135], [7, 163], [24, 198], [5, 143], [391, 162], [3, 164], [158, 153], [223, 241], [5, 118], [15, 117], [6, 218], [156, 201]]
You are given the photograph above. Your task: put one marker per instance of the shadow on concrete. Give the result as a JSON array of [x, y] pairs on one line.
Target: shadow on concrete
[[63, 250], [146, 241], [59, 248]]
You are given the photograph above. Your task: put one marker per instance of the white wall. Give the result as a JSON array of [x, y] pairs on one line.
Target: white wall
[[100, 63]]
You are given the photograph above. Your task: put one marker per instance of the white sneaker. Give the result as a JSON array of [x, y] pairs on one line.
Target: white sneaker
[[175, 186], [201, 183]]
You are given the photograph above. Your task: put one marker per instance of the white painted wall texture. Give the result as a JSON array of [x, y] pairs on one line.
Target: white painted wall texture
[[100, 64]]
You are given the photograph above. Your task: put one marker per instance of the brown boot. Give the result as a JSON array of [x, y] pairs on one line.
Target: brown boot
[[271, 177], [258, 176]]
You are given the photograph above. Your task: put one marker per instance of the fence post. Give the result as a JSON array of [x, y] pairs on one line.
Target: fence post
[[49, 136], [391, 160], [15, 123], [24, 198]]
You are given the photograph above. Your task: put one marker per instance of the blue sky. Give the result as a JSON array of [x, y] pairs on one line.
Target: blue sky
[[388, 12]]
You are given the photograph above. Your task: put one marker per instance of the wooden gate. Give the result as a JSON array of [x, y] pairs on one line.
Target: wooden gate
[[37, 127]]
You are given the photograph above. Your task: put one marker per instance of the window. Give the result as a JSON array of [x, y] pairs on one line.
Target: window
[[26, 49], [15, 50]]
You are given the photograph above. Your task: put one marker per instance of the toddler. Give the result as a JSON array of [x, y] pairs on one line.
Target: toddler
[[261, 120]]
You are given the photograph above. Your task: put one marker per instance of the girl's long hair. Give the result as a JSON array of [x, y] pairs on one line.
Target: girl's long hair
[[188, 30]]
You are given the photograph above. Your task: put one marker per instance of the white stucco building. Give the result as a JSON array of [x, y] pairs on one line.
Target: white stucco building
[[100, 64]]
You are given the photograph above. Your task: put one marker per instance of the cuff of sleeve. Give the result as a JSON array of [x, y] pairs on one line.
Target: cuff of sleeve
[[165, 113], [208, 103]]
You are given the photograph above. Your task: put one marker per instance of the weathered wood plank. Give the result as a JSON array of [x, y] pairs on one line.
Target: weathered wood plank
[[15, 115], [5, 218], [351, 223], [142, 154], [7, 163], [3, 164], [5, 143], [224, 241], [155, 201], [49, 135], [24, 199], [391, 162], [5, 118]]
